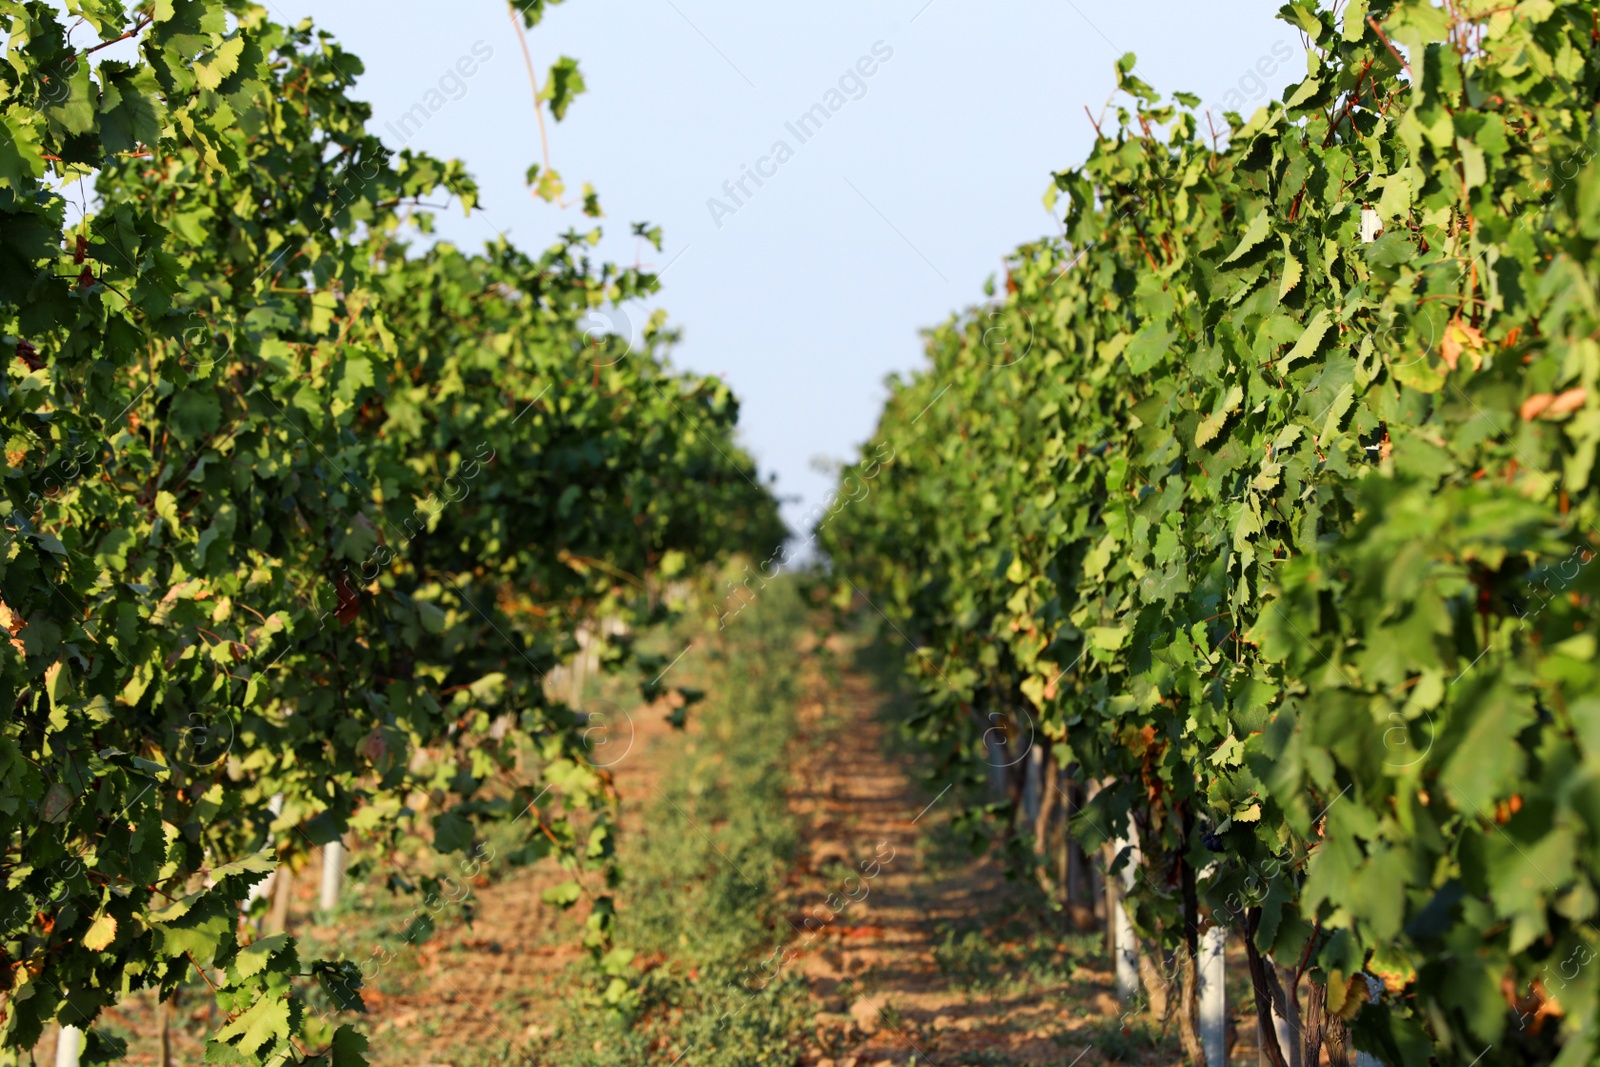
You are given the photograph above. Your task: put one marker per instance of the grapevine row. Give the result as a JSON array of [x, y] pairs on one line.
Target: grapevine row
[[301, 510], [1264, 500]]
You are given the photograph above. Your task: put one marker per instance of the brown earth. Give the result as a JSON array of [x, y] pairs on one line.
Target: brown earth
[[888, 987], [926, 955], [466, 985]]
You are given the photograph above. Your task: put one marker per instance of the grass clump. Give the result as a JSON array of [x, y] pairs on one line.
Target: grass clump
[[705, 870]]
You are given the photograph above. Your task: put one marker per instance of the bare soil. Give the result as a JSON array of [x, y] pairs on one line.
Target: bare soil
[[914, 950], [889, 986]]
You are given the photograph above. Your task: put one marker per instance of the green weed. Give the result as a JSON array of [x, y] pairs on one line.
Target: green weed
[[704, 873]]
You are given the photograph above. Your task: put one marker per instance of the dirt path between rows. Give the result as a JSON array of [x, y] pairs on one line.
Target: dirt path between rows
[[913, 949], [938, 958], [490, 983]]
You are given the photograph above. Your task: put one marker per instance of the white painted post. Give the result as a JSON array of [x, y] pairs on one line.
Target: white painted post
[[1287, 1031], [579, 662], [259, 890], [575, 693], [264, 887], [69, 1044], [1288, 1037], [1371, 225], [1127, 954], [332, 874], [1125, 944], [1213, 997]]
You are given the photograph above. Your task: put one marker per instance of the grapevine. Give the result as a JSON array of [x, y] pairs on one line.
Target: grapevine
[[299, 507], [1278, 523]]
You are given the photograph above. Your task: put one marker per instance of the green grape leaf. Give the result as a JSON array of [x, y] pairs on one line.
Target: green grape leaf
[[562, 85], [265, 1022]]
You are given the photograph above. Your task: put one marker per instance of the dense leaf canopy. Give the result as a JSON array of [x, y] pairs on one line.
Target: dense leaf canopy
[[299, 505], [1283, 532]]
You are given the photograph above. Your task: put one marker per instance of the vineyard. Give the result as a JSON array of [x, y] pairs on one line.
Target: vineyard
[[1224, 580]]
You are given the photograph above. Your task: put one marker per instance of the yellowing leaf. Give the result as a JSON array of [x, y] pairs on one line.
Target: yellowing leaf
[[101, 933], [1460, 337], [564, 895], [13, 624], [1109, 638], [1541, 404], [212, 70]]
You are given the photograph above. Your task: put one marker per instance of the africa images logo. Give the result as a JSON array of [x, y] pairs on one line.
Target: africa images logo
[[852, 82]]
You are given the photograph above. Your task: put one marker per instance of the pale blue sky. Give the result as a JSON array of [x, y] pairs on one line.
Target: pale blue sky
[[882, 223]]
